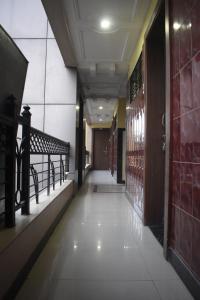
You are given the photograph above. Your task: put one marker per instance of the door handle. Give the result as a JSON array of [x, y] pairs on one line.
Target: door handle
[[163, 120], [106, 150], [163, 142]]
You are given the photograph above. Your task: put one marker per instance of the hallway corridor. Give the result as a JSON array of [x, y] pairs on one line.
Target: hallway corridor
[[101, 250]]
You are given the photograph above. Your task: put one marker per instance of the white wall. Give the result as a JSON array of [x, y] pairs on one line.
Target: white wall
[[88, 139], [50, 87]]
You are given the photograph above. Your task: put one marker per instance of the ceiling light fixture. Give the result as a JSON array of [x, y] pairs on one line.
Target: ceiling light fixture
[[100, 107], [105, 24], [100, 120]]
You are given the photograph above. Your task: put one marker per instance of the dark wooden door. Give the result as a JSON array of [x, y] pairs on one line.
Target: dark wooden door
[[155, 122], [101, 139]]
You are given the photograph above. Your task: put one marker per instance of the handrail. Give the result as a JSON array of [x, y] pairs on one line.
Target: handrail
[[42, 143], [19, 188]]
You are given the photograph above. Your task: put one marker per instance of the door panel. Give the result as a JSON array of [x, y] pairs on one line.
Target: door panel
[[101, 139], [155, 121]]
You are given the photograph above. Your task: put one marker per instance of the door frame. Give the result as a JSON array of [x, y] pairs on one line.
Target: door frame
[[167, 127], [167, 169], [93, 144]]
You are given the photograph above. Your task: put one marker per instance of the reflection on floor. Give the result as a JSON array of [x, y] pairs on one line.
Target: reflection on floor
[[109, 188], [101, 250]]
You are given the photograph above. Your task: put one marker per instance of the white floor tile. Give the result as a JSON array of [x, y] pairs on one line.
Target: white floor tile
[[157, 266], [101, 250], [98, 290], [172, 290]]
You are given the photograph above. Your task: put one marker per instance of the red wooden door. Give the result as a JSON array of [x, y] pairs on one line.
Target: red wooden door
[[101, 139]]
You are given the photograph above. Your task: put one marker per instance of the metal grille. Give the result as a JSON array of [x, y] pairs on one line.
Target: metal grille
[[136, 80], [41, 143]]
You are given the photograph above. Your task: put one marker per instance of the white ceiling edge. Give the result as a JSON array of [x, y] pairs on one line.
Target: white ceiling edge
[[54, 11]]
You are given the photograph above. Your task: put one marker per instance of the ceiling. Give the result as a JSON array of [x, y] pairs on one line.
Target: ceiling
[[100, 110], [101, 56]]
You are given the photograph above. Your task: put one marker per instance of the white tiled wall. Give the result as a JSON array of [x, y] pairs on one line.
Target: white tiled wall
[[60, 81], [50, 32], [50, 87], [59, 121], [23, 18], [35, 52], [37, 118]]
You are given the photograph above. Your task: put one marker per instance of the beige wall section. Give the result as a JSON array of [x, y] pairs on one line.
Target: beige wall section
[[121, 113], [101, 125], [138, 48]]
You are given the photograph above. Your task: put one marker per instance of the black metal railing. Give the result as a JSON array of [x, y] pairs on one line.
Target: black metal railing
[[8, 130], [2, 168], [29, 166]]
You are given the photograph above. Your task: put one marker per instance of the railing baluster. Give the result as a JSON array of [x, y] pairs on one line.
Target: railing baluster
[[66, 166], [63, 171], [18, 192], [53, 174], [10, 165], [35, 180], [26, 160], [67, 160], [60, 169], [49, 174]]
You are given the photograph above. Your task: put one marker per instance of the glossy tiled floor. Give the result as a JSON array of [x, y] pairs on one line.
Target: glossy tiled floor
[[101, 250]]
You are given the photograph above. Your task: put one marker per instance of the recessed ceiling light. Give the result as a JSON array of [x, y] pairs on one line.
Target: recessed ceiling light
[[105, 24], [100, 107]]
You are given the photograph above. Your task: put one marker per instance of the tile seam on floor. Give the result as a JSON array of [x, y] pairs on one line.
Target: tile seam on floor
[[94, 280], [154, 284]]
